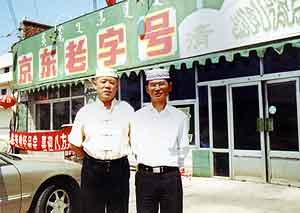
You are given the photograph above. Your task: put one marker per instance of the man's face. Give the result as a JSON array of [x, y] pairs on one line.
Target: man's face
[[158, 90], [106, 88]]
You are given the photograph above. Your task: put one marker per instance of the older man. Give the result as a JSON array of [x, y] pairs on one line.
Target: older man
[[100, 134], [159, 138]]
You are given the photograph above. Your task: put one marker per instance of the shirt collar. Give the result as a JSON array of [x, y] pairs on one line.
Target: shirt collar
[[164, 111], [101, 104]]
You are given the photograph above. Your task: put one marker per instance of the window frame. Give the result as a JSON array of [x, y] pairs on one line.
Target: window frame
[[57, 100]]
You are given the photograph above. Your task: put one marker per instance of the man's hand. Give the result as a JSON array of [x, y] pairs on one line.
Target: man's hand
[[78, 150]]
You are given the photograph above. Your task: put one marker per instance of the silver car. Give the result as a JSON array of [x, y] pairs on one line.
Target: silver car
[[38, 186]]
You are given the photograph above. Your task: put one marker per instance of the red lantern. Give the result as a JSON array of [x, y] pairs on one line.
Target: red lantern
[[110, 2], [7, 101]]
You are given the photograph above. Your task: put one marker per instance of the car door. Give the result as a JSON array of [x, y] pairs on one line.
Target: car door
[[10, 188]]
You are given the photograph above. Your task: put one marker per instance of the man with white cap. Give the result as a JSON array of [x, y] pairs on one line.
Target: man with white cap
[[159, 138], [100, 134]]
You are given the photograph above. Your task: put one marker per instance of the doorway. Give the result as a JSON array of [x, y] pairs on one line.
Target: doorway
[[253, 129]]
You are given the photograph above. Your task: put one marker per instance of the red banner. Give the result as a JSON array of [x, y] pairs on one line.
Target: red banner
[[46, 141]]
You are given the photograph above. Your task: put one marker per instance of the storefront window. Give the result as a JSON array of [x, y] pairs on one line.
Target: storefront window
[[204, 117], [58, 102], [41, 95], [77, 90], [61, 114], [183, 84], [64, 91], [219, 117], [239, 67], [245, 112], [53, 93], [42, 116], [289, 60], [131, 90], [76, 105], [221, 164]]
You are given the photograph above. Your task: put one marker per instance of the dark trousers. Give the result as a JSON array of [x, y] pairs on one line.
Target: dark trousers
[[159, 191], [105, 185]]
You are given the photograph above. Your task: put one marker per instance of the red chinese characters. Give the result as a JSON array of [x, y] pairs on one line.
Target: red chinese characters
[[25, 67], [51, 141], [111, 43], [159, 38], [48, 62], [76, 55]]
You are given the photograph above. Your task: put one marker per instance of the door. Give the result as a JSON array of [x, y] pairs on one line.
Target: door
[[282, 104], [247, 141], [219, 131], [10, 190]]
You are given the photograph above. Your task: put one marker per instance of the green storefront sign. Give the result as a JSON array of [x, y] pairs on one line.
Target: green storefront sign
[[137, 35]]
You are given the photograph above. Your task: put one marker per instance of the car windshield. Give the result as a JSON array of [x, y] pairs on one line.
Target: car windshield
[[10, 156]]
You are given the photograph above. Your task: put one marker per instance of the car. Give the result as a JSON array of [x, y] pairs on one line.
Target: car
[[37, 185]]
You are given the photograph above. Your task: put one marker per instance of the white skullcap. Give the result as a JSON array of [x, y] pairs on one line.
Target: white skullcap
[[106, 73], [157, 74]]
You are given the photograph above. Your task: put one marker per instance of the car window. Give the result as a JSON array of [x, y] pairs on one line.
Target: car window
[[10, 156], [2, 162]]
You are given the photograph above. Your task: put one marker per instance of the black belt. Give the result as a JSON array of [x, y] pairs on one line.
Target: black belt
[[105, 161], [157, 169]]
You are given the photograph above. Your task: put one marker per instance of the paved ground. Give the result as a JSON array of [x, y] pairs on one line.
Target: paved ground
[[214, 195]]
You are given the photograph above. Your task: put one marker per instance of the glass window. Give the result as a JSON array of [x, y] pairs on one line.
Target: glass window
[[203, 117], [53, 93], [287, 61], [61, 114], [239, 67], [183, 84], [77, 90], [42, 116], [284, 136], [245, 112], [41, 95], [221, 164], [131, 90], [146, 97], [219, 117], [64, 91], [77, 103], [188, 109]]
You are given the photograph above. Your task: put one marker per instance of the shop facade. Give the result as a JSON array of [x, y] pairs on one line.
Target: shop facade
[[234, 64]]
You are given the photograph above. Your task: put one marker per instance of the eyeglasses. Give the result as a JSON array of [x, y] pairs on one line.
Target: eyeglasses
[[160, 84]]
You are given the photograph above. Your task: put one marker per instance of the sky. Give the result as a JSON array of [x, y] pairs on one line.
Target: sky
[[48, 12]]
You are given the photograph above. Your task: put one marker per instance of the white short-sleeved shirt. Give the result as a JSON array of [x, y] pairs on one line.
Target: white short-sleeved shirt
[[158, 138], [103, 133]]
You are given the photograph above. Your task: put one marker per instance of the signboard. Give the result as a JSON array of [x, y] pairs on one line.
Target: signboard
[[134, 34], [46, 141]]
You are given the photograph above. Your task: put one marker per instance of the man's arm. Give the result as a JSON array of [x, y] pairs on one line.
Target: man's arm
[[78, 151], [183, 146]]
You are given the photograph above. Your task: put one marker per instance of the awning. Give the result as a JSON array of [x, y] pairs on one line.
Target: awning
[[55, 84], [260, 49]]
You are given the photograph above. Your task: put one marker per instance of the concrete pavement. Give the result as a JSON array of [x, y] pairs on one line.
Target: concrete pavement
[[215, 195]]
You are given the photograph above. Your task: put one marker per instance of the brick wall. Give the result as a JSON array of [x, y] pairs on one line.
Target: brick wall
[[30, 28]]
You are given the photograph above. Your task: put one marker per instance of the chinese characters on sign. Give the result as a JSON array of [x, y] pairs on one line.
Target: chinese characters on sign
[[159, 38], [50, 141], [76, 55], [111, 46], [48, 62], [25, 64]]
